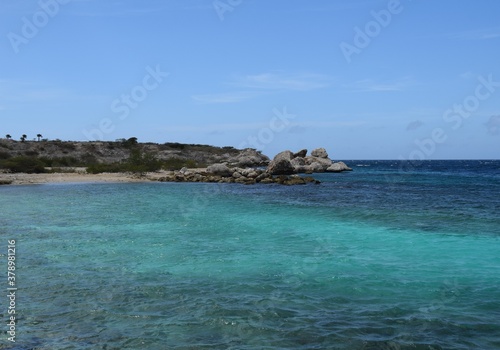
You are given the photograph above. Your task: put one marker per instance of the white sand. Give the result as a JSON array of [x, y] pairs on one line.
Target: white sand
[[80, 175], [24, 179]]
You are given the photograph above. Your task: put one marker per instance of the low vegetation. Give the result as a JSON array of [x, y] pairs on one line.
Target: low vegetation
[[142, 162], [23, 164], [122, 155]]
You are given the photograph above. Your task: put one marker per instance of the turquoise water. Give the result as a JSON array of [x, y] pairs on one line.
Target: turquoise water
[[380, 258]]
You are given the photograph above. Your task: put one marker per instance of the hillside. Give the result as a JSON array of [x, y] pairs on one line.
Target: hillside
[[104, 153]]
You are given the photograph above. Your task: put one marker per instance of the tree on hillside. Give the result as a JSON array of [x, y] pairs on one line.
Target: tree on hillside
[[39, 136], [132, 140], [8, 137], [23, 137], [130, 143]]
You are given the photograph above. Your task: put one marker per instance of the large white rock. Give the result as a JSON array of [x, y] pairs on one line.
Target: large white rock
[[320, 153], [219, 169], [338, 167]]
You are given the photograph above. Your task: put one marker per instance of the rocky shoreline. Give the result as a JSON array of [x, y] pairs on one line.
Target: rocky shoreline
[[284, 169], [221, 173], [287, 162]]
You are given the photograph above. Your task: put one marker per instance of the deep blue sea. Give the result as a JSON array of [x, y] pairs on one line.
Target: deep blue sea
[[385, 257]]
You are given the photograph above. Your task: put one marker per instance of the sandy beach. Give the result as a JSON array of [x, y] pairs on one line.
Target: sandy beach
[[27, 179], [80, 175]]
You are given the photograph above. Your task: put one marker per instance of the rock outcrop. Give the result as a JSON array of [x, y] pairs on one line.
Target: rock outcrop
[[338, 167], [281, 164], [219, 169], [249, 157], [287, 162], [300, 154], [219, 173], [320, 153]]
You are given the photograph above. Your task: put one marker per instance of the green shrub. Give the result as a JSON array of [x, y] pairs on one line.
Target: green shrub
[[88, 159], [60, 161], [46, 161], [65, 161], [23, 164], [31, 153], [173, 164], [4, 155], [190, 163], [136, 163], [62, 170], [130, 143], [139, 162], [175, 145], [178, 163]]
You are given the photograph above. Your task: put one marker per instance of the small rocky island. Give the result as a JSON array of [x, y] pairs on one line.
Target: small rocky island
[[283, 169]]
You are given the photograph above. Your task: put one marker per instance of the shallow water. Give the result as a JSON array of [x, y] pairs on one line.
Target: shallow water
[[380, 258]]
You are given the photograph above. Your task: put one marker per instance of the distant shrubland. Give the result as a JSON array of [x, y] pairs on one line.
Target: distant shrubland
[[123, 155]]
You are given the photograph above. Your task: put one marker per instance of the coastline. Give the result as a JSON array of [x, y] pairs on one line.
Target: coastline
[[51, 178], [183, 175], [247, 167]]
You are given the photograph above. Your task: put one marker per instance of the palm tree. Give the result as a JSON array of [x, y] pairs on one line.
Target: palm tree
[[8, 137], [39, 136], [23, 138]]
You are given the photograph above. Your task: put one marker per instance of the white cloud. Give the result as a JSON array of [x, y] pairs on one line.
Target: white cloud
[[327, 125], [282, 81], [369, 85], [15, 93], [123, 9], [223, 127], [264, 83], [478, 34], [215, 128], [225, 97]]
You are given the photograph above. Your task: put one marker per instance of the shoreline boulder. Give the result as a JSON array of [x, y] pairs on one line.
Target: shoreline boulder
[[338, 167], [281, 164], [320, 153], [219, 169], [301, 163]]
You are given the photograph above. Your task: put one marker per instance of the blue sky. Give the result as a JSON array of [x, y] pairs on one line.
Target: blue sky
[[366, 79]]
